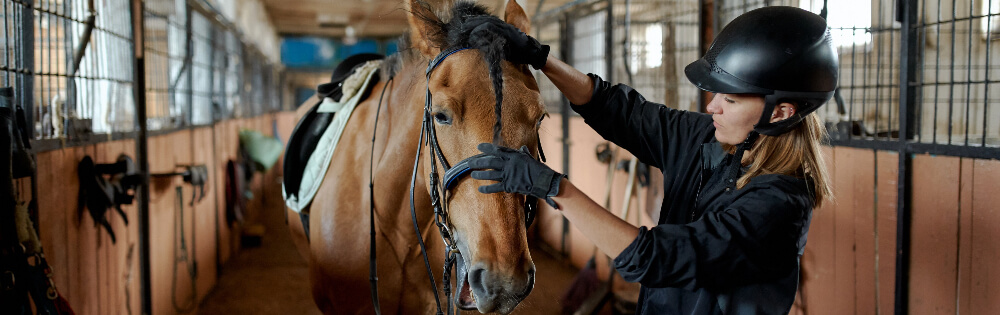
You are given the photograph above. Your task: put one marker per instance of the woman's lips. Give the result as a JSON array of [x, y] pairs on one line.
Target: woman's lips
[[716, 124]]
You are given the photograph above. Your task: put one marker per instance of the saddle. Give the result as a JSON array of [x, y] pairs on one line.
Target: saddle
[[99, 194], [310, 129]]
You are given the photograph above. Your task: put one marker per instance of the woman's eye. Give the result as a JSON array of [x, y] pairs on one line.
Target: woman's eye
[[730, 101], [441, 118]]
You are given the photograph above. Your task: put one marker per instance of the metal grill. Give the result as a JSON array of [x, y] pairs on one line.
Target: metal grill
[[199, 72], [663, 38], [79, 86], [958, 81], [549, 33], [231, 68], [15, 55]]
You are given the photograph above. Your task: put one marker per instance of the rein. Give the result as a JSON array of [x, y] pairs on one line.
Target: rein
[[372, 266]]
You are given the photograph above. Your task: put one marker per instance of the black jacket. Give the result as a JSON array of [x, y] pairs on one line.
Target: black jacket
[[715, 250]]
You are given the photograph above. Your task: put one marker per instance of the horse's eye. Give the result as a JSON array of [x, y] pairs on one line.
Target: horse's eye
[[441, 118]]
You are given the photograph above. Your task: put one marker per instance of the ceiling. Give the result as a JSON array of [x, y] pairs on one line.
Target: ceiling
[[368, 18]]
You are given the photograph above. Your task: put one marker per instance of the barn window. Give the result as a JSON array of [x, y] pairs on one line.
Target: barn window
[[990, 9], [850, 21]]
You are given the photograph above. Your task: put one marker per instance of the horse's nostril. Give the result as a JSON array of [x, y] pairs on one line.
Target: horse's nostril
[[477, 279], [530, 285]]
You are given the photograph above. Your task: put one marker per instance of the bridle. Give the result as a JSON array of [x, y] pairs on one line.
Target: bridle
[[439, 189]]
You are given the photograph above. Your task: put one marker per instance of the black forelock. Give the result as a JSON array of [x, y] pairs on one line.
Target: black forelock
[[458, 33]]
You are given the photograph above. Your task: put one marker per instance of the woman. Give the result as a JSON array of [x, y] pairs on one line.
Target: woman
[[740, 184]]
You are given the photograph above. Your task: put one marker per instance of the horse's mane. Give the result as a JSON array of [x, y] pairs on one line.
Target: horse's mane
[[453, 31]]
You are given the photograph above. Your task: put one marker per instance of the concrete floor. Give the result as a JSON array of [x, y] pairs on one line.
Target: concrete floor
[[273, 279]]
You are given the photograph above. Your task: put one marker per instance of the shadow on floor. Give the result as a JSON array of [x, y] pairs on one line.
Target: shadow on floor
[[273, 279]]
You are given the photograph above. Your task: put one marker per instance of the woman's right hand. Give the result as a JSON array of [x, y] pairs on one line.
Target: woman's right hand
[[519, 48]]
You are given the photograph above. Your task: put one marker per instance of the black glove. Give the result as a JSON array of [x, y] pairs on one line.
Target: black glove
[[520, 48], [516, 172]]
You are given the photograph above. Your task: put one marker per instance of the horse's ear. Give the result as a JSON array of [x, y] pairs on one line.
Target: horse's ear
[[425, 27], [514, 15]]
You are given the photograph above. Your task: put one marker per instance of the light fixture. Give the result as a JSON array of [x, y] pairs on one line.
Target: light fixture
[[349, 37]]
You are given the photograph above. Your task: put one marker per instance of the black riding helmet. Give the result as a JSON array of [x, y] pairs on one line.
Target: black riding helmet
[[783, 53]]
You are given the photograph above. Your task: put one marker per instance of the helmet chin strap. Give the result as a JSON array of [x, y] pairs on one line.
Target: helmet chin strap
[[764, 126]]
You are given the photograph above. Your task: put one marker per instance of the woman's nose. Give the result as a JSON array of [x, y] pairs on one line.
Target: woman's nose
[[713, 106]]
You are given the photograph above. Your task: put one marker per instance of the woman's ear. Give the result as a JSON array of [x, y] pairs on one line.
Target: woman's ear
[[782, 111]]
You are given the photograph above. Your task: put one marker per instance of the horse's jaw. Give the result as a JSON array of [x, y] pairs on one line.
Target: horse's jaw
[[464, 298]]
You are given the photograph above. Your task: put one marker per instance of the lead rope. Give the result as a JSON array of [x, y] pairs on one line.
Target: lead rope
[[372, 266]]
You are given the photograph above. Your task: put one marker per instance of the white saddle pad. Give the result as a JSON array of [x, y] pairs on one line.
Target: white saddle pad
[[319, 161]]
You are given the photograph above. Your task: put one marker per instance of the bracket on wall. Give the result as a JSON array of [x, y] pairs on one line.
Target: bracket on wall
[[196, 175]]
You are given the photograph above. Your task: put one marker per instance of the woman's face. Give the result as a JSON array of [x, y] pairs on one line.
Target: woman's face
[[735, 115]]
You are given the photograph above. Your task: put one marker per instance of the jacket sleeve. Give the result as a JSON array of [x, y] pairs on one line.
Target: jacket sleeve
[[654, 133], [753, 240]]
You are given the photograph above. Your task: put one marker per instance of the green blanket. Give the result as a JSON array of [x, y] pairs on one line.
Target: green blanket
[[263, 150]]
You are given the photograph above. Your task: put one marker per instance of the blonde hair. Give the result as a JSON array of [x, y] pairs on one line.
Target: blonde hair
[[795, 153]]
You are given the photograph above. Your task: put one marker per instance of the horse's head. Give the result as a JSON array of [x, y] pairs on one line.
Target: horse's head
[[495, 270]]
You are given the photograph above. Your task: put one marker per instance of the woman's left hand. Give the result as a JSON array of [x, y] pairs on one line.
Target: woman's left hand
[[515, 171]]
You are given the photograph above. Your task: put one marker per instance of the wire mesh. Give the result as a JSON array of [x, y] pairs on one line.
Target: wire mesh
[[587, 50], [166, 46], [663, 38], [549, 34], [200, 72], [79, 84], [958, 81], [15, 61]]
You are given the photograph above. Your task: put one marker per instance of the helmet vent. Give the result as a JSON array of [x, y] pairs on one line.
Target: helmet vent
[[712, 54]]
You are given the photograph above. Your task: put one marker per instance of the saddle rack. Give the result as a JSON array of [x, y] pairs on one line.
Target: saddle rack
[[196, 175]]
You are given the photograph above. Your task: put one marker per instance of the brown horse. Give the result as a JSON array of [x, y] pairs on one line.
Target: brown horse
[[488, 229]]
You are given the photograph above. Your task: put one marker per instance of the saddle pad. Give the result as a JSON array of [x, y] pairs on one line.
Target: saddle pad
[[319, 161]]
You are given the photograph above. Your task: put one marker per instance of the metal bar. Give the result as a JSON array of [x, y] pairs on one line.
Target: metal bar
[[985, 153], [565, 43], [72, 96], [951, 88], [986, 77], [189, 60], [141, 153], [854, 62], [213, 49], [919, 102], [7, 56], [937, 73], [909, 55], [968, 86], [892, 41], [864, 82], [27, 57], [878, 37], [609, 41]]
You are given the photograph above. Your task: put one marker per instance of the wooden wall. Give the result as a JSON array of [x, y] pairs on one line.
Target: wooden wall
[[100, 277], [850, 258]]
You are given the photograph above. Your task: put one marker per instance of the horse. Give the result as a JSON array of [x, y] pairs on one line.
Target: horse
[[456, 102]]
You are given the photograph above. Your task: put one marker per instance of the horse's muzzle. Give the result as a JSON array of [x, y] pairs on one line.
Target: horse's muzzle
[[495, 292]]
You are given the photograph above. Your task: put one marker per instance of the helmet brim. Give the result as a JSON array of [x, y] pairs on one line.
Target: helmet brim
[[701, 75]]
